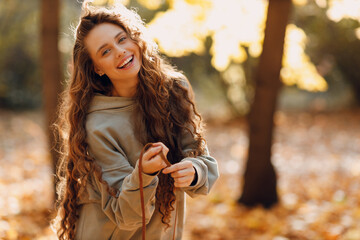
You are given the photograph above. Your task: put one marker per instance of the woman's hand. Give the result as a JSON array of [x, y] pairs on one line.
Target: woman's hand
[[152, 161], [183, 173]]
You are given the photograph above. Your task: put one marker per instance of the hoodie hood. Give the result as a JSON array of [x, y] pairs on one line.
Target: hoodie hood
[[102, 102]]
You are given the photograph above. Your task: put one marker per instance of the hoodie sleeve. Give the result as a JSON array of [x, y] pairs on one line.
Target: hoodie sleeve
[[125, 209], [205, 165]]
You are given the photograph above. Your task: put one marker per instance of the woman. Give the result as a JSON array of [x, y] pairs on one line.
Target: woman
[[121, 96]]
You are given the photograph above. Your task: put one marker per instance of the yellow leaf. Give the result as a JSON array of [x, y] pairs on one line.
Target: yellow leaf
[[12, 234]]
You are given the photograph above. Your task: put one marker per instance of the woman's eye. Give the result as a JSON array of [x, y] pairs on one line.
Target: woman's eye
[[121, 39], [105, 52]]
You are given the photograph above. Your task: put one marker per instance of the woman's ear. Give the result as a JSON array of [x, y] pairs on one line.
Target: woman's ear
[[98, 71]]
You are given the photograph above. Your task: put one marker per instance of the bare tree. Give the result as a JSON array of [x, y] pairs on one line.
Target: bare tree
[[51, 70], [260, 177]]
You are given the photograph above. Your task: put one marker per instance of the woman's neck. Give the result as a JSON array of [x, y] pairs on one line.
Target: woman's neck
[[121, 89]]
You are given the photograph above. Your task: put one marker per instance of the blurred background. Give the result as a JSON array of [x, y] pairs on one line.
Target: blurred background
[[312, 143]]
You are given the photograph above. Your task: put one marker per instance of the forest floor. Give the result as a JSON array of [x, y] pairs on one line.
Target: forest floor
[[316, 157]]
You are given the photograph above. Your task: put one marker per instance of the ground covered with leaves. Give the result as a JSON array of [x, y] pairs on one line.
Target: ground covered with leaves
[[316, 156]]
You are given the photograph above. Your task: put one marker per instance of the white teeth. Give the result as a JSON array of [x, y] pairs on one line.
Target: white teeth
[[126, 61]]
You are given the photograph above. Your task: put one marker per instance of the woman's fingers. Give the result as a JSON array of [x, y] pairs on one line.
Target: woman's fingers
[[159, 161], [164, 148], [183, 173], [183, 181], [152, 159], [151, 152], [178, 166]]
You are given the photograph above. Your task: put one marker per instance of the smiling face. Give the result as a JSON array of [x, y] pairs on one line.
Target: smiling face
[[114, 53]]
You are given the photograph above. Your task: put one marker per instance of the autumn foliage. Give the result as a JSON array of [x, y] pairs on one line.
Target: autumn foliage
[[316, 156]]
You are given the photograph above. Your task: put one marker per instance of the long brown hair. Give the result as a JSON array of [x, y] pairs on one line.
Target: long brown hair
[[166, 112]]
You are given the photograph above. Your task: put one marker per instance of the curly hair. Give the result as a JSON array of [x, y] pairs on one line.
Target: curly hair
[[166, 111]]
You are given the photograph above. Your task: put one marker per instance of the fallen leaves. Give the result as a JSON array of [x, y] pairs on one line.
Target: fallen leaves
[[316, 156]]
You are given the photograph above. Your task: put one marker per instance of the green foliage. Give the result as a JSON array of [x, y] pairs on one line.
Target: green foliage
[[19, 53], [332, 46], [20, 68]]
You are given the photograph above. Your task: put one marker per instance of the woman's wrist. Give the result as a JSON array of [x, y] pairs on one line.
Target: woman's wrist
[[194, 181]]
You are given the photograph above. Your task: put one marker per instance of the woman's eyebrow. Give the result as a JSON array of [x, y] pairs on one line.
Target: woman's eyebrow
[[102, 46]]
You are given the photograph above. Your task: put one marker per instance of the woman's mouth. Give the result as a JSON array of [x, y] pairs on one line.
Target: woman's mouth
[[127, 62]]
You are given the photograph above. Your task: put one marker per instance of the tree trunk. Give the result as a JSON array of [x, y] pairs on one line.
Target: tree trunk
[[260, 177], [51, 71]]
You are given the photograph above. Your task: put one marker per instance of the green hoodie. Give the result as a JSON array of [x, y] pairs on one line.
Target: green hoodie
[[112, 143]]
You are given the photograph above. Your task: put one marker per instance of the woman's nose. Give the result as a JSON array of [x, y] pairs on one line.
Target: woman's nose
[[120, 51]]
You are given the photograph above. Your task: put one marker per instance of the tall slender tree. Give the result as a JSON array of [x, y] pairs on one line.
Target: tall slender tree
[[50, 67], [260, 177]]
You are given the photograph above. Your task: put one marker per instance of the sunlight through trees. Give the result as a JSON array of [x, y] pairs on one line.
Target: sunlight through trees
[[184, 27]]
